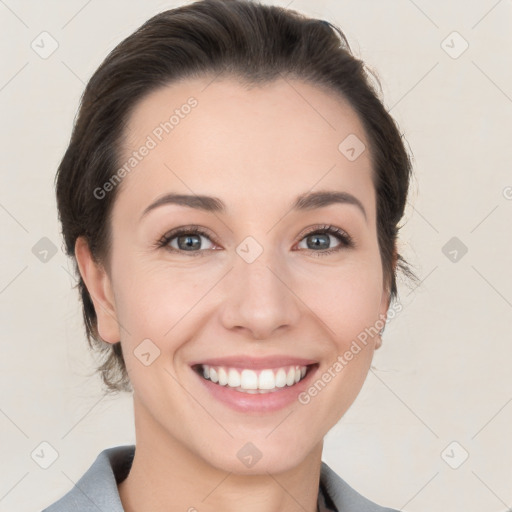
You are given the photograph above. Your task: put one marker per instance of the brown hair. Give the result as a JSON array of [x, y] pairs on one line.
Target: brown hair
[[239, 38]]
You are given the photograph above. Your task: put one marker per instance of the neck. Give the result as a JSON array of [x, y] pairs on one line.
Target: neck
[[167, 476]]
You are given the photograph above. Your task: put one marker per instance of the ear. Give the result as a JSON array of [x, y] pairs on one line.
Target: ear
[[99, 287], [383, 313], [386, 300]]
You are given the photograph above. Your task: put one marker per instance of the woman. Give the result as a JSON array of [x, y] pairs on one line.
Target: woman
[[230, 195]]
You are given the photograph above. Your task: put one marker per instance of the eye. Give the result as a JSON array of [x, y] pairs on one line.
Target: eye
[[319, 237], [185, 239]]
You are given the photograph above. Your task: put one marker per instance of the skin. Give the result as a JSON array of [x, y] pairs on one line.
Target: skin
[[256, 149]]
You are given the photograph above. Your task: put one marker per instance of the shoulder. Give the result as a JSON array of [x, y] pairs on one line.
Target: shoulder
[[97, 488], [343, 496]]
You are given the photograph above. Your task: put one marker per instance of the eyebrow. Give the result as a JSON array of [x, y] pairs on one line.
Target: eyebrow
[[304, 202]]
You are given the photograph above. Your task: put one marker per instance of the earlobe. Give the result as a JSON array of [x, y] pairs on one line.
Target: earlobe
[[99, 286], [383, 315]]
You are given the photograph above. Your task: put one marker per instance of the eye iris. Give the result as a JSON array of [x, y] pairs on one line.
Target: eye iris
[[325, 244], [189, 245]]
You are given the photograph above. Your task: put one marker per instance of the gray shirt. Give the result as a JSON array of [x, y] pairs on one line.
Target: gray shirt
[[96, 491]]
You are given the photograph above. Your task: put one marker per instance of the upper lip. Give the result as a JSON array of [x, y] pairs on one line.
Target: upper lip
[[255, 362]]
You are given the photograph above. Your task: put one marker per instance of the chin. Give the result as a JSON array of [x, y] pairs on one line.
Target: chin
[[258, 457]]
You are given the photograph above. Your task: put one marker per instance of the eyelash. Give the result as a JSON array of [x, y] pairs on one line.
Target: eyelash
[[344, 238]]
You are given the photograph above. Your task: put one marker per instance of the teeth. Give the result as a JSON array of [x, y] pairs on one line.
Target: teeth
[[223, 376], [250, 381], [290, 377], [267, 380], [281, 378], [233, 378]]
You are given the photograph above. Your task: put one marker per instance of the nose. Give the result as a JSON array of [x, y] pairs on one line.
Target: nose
[[259, 298]]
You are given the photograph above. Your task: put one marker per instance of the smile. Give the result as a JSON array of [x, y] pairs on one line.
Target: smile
[[253, 381]]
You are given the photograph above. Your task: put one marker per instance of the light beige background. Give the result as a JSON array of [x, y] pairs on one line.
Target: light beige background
[[443, 373]]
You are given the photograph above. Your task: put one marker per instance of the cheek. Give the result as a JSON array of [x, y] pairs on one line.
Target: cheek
[[348, 307], [151, 305], [156, 302], [154, 311], [347, 299]]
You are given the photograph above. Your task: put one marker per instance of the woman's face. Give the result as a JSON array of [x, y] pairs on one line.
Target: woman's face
[[263, 289]]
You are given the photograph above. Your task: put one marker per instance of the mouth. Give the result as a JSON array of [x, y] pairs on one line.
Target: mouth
[[254, 381]]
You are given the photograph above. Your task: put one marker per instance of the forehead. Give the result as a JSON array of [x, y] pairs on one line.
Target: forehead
[[247, 145]]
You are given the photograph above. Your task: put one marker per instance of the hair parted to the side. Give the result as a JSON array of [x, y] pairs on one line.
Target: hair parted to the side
[[242, 39]]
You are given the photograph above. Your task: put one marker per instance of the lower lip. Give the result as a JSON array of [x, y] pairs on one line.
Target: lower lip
[[260, 402]]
